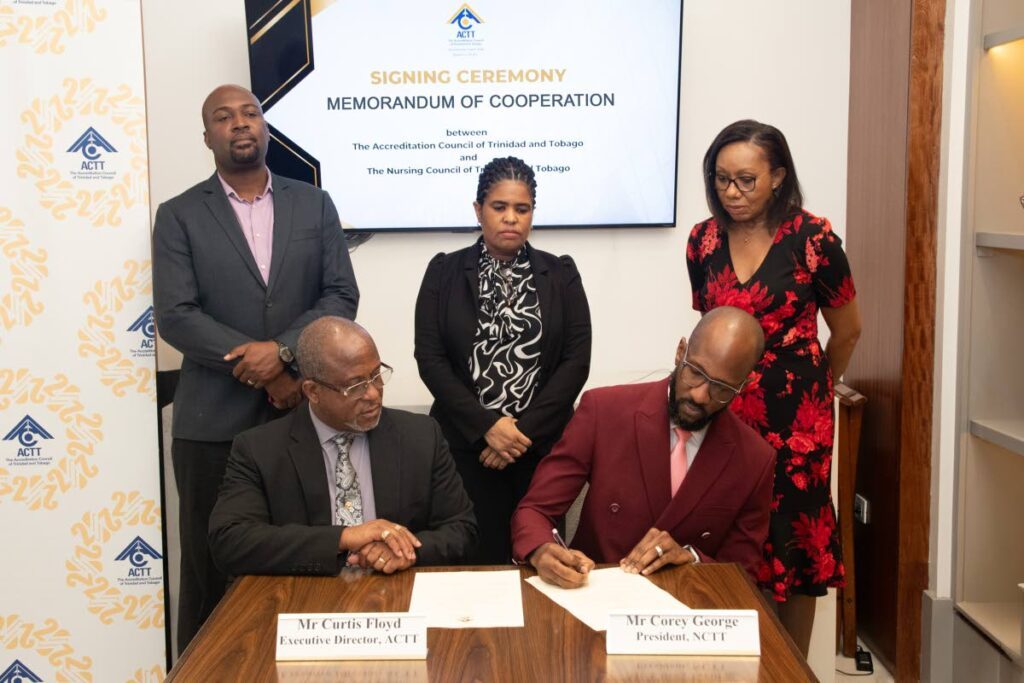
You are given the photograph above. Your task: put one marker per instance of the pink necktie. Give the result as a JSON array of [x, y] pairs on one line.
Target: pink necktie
[[678, 459]]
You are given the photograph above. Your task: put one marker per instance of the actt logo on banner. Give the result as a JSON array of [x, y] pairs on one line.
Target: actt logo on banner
[[28, 432], [92, 146], [138, 553], [145, 325], [19, 673]]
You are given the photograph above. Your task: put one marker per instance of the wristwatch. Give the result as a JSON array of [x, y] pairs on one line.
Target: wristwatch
[[284, 353]]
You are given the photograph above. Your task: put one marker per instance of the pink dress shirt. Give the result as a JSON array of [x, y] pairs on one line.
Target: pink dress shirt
[[256, 218]]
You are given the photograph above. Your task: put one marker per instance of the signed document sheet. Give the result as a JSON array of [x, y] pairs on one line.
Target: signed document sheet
[[609, 590]]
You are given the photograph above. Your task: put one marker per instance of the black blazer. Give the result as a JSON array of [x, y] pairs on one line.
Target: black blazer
[[446, 321], [273, 513], [209, 296]]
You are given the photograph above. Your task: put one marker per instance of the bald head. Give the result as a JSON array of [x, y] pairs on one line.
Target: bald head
[[222, 93], [730, 338], [330, 344]]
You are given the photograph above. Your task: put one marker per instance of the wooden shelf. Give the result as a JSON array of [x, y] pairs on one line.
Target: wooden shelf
[[999, 240], [1006, 433], [1000, 621], [997, 38]]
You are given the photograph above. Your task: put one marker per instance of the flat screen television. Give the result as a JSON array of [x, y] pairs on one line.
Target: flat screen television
[[393, 106]]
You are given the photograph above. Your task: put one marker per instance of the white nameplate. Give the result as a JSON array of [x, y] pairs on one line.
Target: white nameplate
[[345, 635], [694, 632]]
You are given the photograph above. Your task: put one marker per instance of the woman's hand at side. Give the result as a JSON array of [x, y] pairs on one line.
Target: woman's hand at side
[[506, 439]]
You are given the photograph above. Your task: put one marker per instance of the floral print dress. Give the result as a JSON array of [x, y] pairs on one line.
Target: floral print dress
[[788, 397]]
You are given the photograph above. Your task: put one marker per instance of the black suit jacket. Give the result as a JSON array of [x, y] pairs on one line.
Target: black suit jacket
[[273, 513], [209, 296], [446, 320]]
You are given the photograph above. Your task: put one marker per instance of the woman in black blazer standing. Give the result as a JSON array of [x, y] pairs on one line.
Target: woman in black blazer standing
[[503, 344]]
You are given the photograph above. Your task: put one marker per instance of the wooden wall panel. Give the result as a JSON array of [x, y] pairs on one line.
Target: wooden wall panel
[[876, 239], [895, 109], [923, 137]]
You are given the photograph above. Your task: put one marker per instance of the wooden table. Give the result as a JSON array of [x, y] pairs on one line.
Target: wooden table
[[237, 643]]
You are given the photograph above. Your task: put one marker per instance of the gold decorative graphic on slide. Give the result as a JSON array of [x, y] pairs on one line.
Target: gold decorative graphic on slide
[[81, 106], [48, 640], [318, 6], [82, 432], [103, 339], [154, 674], [85, 569], [26, 269], [26, 25]]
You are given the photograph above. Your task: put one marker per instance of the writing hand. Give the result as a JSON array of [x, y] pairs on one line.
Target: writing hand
[[561, 566]]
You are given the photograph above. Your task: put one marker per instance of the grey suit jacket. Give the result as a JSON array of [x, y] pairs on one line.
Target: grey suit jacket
[[209, 295], [273, 514]]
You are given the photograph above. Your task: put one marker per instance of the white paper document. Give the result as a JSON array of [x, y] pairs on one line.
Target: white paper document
[[468, 599], [608, 590]]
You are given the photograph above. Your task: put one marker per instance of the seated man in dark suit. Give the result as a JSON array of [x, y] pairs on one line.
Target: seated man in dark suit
[[340, 479], [674, 478]]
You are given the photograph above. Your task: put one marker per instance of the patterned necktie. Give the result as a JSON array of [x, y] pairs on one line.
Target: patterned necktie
[[348, 502], [677, 459]]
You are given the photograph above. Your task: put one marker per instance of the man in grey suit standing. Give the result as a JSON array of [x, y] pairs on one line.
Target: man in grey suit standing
[[241, 263]]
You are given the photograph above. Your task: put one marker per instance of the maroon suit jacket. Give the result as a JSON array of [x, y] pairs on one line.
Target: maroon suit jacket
[[618, 441]]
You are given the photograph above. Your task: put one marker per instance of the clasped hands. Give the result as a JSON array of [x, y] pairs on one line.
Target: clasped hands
[[260, 367], [505, 443], [379, 545], [569, 568]]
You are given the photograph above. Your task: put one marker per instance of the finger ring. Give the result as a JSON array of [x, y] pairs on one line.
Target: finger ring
[[658, 550], [381, 559], [384, 534], [250, 382]]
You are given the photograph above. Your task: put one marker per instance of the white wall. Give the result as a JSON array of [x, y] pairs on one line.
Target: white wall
[[784, 62]]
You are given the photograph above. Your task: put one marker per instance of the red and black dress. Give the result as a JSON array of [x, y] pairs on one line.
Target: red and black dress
[[788, 397]]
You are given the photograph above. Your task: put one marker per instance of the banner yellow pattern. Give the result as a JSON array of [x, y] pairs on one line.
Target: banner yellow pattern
[[19, 295], [82, 431], [85, 569], [47, 33], [49, 640], [63, 197], [98, 336]]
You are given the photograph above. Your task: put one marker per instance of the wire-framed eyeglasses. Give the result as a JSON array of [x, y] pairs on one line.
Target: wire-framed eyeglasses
[[379, 379], [719, 391]]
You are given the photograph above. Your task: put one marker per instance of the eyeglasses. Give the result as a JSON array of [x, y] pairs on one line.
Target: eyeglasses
[[744, 183], [358, 389], [721, 392]]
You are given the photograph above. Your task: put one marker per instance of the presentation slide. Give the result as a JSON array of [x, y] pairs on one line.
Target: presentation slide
[[407, 101]]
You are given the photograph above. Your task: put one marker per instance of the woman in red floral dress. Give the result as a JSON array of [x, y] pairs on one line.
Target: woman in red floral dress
[[762, 252]]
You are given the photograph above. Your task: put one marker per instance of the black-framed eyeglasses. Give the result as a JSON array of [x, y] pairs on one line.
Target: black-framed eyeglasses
[[379, 379], [744, 183], [693, 377]]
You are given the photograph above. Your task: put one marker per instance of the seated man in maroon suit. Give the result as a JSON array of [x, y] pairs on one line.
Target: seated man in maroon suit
[[674, 478]]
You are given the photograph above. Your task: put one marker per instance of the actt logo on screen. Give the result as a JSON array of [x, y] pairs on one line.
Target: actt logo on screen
[[465, 18]]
